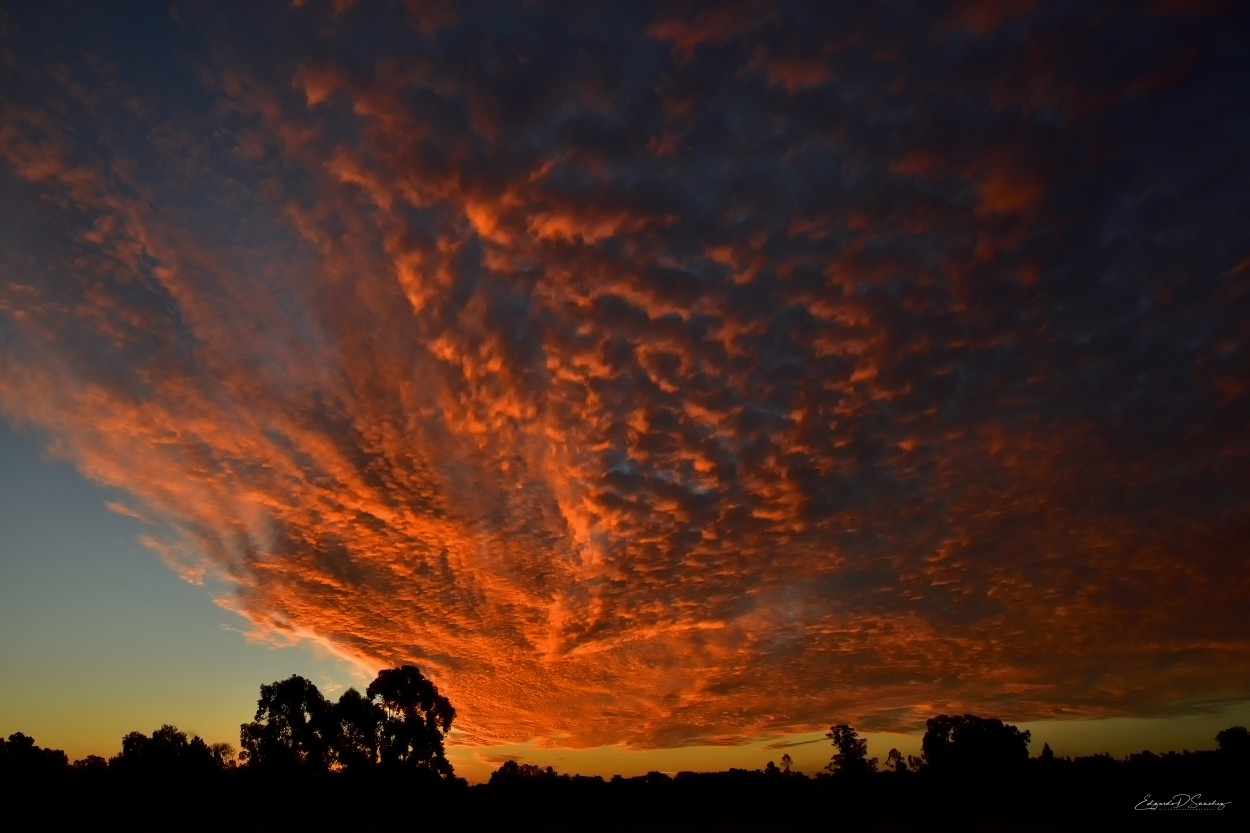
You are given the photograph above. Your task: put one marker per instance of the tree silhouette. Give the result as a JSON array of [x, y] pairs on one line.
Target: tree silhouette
[[223, 755], [1234, 744], [20, 757], [415, 720], [133, 756], [166, 753], [974, 744], [359, 728], [293, 730], [511, 772], [958, 782], [852, 756], [93, 764]]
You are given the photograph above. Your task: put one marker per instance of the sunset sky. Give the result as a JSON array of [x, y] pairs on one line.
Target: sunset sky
[[667, 381]]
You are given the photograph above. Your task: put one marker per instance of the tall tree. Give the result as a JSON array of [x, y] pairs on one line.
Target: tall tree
[[294, 728], [415, 720], [852, 756], [359, 731]]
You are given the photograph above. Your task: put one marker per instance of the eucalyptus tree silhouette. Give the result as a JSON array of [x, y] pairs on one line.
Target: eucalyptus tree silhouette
[[398, 724], [293, 730], [971, 744], [358, 731], [851, 759], [415, 720]]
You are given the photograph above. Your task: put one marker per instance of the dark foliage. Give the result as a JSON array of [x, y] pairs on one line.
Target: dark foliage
[[398, 724], [974, 746], [415, 719], [1234, 743], [367, 763], [851, 760], [357, 732], [293, 728], [166, 754], [20, 758]]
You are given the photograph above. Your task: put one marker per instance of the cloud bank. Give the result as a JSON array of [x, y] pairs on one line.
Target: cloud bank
[[661, 375]]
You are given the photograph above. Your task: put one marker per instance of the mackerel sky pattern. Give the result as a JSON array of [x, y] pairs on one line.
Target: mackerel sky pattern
[[660, 374]]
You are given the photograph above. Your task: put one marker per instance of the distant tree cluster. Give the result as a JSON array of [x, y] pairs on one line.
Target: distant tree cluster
[[511, 772], [20, 756], [168, 752], [398, 723], [958, 745]]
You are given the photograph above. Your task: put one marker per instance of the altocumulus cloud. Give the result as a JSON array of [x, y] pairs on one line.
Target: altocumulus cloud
[[708, 372]]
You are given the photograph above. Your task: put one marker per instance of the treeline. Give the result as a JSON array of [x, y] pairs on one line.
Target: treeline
[[398, 724], [376, 761]]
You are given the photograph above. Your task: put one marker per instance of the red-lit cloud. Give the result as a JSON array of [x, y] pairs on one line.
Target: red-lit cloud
[[659, 378]]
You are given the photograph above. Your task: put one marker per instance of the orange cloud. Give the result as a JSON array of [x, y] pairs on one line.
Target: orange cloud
[[435, 361], [1010, 189], [984, 17], [687, 32]]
